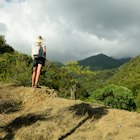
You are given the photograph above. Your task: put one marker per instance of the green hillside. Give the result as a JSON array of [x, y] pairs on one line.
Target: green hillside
[[128, 75], [102, 62], [74, 81]]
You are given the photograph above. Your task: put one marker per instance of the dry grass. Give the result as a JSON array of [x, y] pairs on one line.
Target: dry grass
[[32, 114]]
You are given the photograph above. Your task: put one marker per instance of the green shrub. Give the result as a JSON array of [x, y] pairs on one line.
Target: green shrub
[[16, 68], [115, 96], [137, 101]]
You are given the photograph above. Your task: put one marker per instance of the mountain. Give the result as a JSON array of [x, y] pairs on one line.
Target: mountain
[[31, 114], [57, 63], [102, 62]]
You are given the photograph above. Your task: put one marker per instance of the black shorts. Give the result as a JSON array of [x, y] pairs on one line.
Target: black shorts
[[37, 61]]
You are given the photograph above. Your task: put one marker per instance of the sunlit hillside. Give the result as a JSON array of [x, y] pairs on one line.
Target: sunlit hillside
[[28, 113]]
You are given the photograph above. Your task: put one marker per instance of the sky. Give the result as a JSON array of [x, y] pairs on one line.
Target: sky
[[73, 29]]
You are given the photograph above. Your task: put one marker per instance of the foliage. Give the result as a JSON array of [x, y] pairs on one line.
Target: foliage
[[128, 75], [98, 79], [78, 76], [50, 76], [16, 68], [5, 48], [115, 96], [62, 78], [77, 72], [138, 102]]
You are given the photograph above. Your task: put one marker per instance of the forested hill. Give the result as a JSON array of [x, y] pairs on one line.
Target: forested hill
[[101, 62], [128, 75]]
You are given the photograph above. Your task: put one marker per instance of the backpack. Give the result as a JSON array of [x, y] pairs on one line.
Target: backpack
[[36, 51]]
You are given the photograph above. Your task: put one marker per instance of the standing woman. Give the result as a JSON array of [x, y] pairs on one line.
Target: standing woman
[[39, 62]]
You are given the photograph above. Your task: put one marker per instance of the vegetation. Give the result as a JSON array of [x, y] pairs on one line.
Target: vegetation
[[4, 48], [115, 97], [137, 101], [76, 81], [16, 68], [65, 78], [78, 77], [102, 62], [99, 79], [128, 75]]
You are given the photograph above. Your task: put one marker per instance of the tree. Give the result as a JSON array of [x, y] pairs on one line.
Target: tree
[[115, 97], [78, 75], [16, 68], [5, 48], [73, 92], [138, 102]]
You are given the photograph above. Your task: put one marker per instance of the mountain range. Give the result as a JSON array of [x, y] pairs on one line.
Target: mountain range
[[102, 62]]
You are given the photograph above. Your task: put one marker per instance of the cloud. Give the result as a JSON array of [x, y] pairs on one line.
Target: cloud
[[73, 29], [3, 28]]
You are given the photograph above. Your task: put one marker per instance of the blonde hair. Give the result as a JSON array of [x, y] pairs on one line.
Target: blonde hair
[[39, 39]]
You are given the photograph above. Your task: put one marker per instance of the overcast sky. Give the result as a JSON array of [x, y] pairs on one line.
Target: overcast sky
[[73, 29]]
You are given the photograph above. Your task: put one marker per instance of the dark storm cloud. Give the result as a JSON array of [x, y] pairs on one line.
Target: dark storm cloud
[[112, 20], [103, 17], [75, 29]]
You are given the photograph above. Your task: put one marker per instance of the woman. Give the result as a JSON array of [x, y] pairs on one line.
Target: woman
[[39, 62]]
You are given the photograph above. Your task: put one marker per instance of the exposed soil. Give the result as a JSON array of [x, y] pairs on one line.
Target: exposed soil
[[35, 114]]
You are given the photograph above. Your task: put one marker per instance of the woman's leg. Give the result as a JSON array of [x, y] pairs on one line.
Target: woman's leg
[[34, 75], [38, 73]]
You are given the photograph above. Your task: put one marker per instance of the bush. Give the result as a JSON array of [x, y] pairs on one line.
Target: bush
[[138, 102], [16, 68], [115, 96]]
